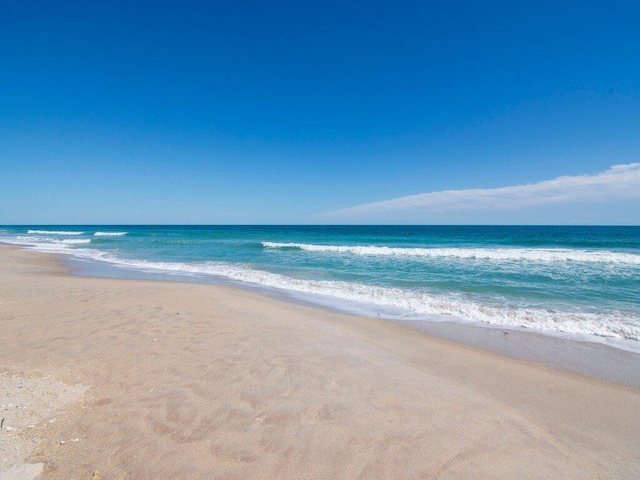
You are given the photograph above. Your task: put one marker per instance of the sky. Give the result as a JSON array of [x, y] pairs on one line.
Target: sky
[[429, 112]]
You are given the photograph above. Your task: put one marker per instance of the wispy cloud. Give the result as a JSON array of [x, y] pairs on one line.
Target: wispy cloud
[[618, 182]]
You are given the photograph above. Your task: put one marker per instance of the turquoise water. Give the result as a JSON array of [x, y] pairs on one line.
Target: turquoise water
[[571, 280]]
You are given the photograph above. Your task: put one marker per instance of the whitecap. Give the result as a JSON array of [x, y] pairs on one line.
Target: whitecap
[[494, 254], [53, 232]]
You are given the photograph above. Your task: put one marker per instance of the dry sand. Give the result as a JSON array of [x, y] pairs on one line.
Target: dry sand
[[156, 380]]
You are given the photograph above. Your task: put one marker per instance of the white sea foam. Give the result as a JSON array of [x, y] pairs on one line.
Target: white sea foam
[[498, 254], [615, 325], [53, 232], [46, 243], [109, 234]]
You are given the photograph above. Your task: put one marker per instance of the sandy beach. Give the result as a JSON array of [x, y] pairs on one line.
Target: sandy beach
[[128, 379]]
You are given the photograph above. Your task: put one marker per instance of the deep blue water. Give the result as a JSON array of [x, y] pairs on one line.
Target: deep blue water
[[577, 280]]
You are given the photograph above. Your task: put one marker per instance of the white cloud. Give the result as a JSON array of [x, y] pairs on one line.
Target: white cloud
[[616, 183]]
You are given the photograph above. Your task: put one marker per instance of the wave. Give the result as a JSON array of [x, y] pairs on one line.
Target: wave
[[619, 325], [52, 232], [46, 242], [498, 254], [615, 325], [109, 234]]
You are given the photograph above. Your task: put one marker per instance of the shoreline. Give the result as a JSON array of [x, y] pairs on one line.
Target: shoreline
[[591, 357], [567, 300], [191, 379]]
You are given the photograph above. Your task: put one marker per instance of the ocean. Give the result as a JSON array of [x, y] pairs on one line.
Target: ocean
[[577, 282]]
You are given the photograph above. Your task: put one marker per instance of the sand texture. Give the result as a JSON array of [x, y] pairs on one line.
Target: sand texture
[[161, 380]]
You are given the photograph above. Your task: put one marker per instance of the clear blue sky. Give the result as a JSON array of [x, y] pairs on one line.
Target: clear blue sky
[[279, 112]]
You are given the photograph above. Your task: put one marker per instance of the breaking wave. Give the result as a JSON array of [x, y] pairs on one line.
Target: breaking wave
[[497, 254], [52, 232], [46, 243], [617, 324]]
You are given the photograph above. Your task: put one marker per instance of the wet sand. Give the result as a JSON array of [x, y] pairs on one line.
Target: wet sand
[[192, 381]]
